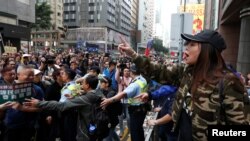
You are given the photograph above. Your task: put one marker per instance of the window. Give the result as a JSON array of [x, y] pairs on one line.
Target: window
[[73, 16], [91, 12], [73, 7], [91, 21], [66, 16], [91, 16], [91, 4]]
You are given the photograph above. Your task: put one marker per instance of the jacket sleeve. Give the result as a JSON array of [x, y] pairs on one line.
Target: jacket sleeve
[[164, 90], [234, 100], [158, 72], [62, 106]]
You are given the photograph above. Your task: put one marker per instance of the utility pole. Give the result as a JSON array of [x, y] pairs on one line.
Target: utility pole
[[182, 31]]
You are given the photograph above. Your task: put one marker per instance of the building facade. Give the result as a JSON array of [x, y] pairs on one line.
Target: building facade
[[232, 20], [145, 23], [16, 17], [134, 36], [52, 37], [113, 15]]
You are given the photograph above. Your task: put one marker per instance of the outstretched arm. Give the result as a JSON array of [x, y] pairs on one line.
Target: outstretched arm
[[113, 99], [158, 72]]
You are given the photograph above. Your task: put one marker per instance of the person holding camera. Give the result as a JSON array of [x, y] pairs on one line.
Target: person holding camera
[[123, 79], [47, 66]]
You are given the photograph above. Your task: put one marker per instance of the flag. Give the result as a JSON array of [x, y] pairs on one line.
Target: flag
[[148, 48]]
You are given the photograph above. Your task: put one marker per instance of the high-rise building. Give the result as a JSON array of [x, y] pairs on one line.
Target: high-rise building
[[51, 37], [56, 6], [72, 14], [151, 18], [158, 28], [15, 19], [145, 22], [134, 23], [231, 19], [110, 16], [114, 14]]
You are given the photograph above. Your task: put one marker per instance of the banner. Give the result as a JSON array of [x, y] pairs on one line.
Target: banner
[[198, 15], [10, 49], [16, 92]]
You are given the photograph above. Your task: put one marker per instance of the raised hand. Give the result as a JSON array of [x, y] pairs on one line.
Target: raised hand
[[125, 48]]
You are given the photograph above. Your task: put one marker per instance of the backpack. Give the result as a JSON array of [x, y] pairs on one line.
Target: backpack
[[99, 125]]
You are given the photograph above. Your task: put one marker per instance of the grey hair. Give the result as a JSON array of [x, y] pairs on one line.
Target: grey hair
[[22, 68]]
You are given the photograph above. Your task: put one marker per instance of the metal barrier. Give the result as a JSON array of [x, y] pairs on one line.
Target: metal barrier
[[148, 130]]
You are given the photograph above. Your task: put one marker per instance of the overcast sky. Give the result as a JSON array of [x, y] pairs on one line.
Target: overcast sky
[[169, 7]]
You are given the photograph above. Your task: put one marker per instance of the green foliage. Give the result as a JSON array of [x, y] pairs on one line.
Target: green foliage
[[158, 46], [43, 19]]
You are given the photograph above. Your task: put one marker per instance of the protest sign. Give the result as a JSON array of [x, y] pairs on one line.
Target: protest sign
[[16, 92]]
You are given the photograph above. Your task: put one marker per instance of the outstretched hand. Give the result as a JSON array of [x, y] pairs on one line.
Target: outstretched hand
[[142, 97], [105, 102], [125, 48], [31, 102], [6, 105]]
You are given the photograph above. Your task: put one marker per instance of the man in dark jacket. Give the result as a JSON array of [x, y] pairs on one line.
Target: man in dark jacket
[[114, 109], [21, 122], [83, 103]]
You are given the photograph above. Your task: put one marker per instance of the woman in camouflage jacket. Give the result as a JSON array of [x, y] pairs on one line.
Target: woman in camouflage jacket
[[205, 84]]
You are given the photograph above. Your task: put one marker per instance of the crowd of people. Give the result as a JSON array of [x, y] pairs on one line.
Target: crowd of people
[[65, 85]]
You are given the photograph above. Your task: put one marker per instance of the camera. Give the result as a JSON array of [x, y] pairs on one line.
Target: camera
[[122, 65], [50, 61]]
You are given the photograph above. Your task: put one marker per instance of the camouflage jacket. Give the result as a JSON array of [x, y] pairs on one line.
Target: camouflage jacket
[[206, 99]]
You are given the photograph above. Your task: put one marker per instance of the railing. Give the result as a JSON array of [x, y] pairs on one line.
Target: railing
[[148, 131]]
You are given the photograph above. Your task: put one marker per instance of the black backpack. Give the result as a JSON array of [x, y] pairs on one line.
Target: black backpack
[[99, 125]]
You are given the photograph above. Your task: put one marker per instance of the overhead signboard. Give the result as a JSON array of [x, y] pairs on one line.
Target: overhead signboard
[[198, 15]]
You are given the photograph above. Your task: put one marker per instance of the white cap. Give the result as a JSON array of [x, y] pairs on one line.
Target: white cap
[[57, 66], [36, 71], [26, 55]]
